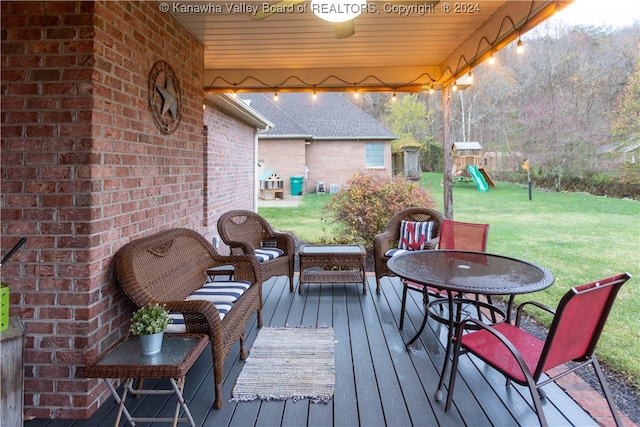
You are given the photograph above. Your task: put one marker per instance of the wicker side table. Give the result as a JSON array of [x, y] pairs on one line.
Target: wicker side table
[[124, 360], [333, 264]]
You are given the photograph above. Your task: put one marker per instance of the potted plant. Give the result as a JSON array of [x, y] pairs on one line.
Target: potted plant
[[149, 323]]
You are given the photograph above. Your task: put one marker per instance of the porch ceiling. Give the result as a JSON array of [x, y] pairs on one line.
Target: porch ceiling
[[390, 51]]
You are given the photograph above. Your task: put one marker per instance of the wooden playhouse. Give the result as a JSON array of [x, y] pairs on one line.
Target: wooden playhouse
[[465, 155]]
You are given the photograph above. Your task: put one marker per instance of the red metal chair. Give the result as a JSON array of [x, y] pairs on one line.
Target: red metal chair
[[465, 236], [521, 357]]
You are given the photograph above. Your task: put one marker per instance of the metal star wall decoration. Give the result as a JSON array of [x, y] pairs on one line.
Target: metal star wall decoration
[[169, 99], [165, 98]]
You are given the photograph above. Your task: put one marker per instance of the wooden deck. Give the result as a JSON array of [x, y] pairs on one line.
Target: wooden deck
[[378, 381]]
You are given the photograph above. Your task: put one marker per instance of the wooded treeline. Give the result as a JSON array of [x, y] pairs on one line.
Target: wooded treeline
[[570, 105]]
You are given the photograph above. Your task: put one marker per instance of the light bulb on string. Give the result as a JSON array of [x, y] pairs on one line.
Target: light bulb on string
[[519, 47], [275, 96]]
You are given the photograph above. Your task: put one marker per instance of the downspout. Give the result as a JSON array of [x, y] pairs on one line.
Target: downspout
[[256, 177], [447, 141]]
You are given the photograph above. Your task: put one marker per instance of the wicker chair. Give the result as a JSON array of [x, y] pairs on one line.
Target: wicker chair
[[245, 231], [168, 266], [387, 240]]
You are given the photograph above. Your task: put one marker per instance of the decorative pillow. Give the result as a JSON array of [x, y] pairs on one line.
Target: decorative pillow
[[222, 294], [414, 235], [268, 243], [267, 254]]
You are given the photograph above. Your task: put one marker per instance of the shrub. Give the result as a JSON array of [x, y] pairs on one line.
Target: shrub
[[364, 208]]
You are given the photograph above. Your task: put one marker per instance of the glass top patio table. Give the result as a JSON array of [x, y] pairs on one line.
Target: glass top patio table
[[471, 272], [461, 272], [332, 249]]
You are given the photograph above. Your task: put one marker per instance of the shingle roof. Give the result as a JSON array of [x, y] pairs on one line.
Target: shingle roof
[[329, 116], [467, 146]]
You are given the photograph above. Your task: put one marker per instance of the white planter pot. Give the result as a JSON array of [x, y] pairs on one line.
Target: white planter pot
[[151, 344]]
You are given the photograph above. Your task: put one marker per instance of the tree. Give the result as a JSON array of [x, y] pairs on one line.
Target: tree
[[408, 118], [550, 104], [625, 119]]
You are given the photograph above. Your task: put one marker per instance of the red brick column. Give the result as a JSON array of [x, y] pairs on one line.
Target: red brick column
[[84, 170]]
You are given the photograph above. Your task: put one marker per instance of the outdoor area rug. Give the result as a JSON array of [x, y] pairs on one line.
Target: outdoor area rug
[[288, 363]]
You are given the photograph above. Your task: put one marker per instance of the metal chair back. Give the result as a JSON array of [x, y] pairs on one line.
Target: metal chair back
[[464, 236]]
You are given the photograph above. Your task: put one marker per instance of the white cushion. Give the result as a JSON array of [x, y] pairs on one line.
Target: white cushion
[[393, 252], [220, 293]]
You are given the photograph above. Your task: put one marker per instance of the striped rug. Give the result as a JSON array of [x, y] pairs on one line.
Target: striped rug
[[288, 363]]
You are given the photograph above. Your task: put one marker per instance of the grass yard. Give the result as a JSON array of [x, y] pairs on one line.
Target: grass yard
[[579, 237]]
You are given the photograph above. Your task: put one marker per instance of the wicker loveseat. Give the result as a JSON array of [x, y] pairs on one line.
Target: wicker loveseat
[[168, 267], [388, 239]]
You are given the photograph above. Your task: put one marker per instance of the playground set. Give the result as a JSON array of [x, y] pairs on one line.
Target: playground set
[[467, 165]]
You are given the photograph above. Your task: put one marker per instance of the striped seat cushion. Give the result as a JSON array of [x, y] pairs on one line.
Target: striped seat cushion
[[266, 254], [221, 293]]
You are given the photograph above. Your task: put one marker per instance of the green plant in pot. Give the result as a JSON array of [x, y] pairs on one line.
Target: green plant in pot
[[150, 322]]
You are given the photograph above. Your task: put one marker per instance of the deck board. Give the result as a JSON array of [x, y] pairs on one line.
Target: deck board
[[378, 381]]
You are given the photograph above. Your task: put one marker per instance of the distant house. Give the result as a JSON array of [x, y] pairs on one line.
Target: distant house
[[620, 152], [323, 141]]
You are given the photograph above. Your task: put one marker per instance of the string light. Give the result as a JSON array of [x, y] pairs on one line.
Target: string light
[[204, 106], [305, 86], [275, 96], [431, 88], [470, 78], [455, 86], [394, 98], [315, 94]]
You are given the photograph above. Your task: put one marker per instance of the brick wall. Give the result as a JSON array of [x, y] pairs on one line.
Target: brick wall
[[229, 166], [85, 170], [333, 162], [286, 157]]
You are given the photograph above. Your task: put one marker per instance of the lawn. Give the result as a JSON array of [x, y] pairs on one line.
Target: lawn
[[579, 237]]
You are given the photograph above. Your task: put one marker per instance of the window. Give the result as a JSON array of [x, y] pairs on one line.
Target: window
[[374, 155]]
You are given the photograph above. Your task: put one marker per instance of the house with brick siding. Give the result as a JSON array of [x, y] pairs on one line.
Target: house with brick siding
[[85, 169], [104, 139], [323, 139]]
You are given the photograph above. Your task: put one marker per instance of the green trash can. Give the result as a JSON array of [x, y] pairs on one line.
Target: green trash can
[[296, 185]]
